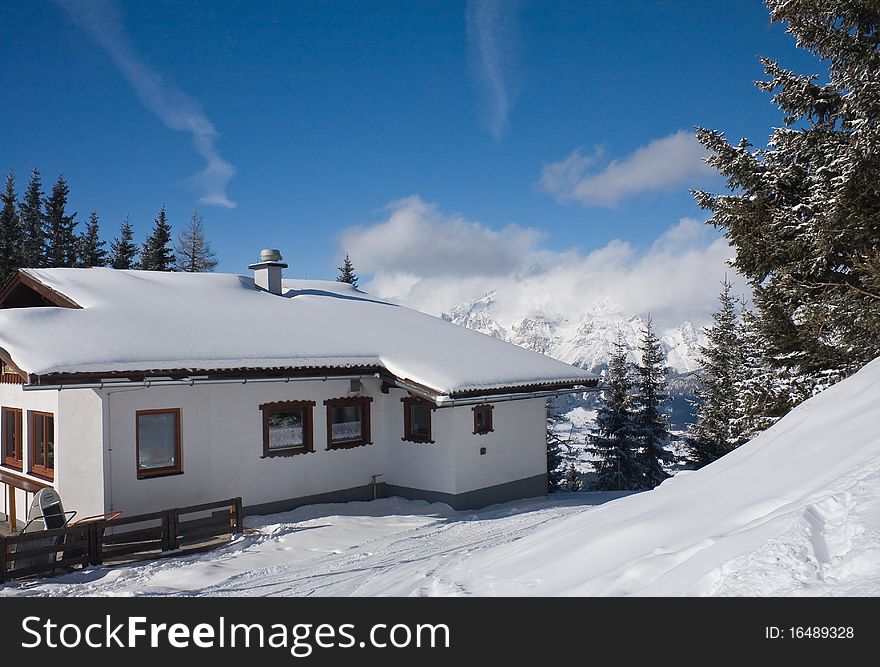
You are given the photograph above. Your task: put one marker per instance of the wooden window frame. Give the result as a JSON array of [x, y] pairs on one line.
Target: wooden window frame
[[485, 408], [408, 435], [308, 445], [38, 470], [345, 401], [150, 473], [18, 416]]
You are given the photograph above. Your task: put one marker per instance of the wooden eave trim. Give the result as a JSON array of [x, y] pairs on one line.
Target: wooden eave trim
[[7, 359], [53, 296]]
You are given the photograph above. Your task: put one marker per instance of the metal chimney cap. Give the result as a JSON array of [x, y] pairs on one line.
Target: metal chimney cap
[[270, 255]]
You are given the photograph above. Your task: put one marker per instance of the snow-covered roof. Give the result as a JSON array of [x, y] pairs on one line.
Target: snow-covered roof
[[148, 321]]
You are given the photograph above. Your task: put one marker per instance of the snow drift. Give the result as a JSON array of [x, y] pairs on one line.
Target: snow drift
[[796, 510]]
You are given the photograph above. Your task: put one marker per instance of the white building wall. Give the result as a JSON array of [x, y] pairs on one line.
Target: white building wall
[[515, 450], [222, 447], [79, 449], [417, 465]]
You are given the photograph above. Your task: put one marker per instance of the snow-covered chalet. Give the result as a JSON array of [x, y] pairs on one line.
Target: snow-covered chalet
[[139, 390]]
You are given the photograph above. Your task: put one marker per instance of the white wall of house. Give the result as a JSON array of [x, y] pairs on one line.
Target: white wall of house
[[222, 447], [515, 449], [79, 450]]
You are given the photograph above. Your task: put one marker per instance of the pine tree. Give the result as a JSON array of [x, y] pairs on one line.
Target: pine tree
[[650, 396], [802, 213], [346, 273], [157, 254], [10, 231], [31, 217], [60, 240], [721, 363], [572, 481], [91, 247], [764, 392], [614, 439], [555, 457], [194, 253], [123, 250]]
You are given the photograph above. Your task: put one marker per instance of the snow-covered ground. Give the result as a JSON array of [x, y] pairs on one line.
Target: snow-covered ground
[[794, 512]]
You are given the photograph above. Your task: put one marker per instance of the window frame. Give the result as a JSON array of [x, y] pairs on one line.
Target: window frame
[[14, 463], [33, 468], [487, 409], [150, 473], [408, 403], [307, 408], [345, 401]]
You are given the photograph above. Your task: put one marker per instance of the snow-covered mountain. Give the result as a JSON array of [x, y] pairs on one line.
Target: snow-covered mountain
[[583, 339], [586, 339]]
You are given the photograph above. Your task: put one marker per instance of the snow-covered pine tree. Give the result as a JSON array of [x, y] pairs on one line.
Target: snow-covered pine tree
[[555, 456], [157, 254], [123, 250], [194, 253], [10, 231], [31, 217], [614, 438], [572, 481], [764, 392], [346, 273], [91, 247], [60, 242], [721, 364], [802, 213], [650, 396]]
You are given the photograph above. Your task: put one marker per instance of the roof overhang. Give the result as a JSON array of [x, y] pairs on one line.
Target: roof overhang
[[192, 377]]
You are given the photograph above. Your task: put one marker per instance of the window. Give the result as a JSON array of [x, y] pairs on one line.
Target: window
[[483, 419], [287, 428], [42, 443], [417, 419], [158, 442], [12, 451], [348, 422]]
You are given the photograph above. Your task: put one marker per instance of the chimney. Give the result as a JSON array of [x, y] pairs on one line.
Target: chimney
[[267, 272]]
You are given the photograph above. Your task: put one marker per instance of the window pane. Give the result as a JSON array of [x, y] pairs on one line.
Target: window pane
[[39, 429], [421, 420], [481, 420], [9, 443], [49, 435], [286, 429], [346, 422], [156, 440]]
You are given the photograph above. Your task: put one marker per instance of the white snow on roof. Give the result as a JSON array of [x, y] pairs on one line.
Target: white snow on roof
[[148, 320]]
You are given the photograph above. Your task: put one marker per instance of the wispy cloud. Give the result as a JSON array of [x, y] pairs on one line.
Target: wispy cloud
[[491, 33], [662, 164], [103, 22], [431, 260]]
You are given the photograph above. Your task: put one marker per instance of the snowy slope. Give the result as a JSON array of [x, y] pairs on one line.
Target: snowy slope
[[794, 512]]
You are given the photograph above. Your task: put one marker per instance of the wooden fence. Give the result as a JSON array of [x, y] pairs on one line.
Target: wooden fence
[[124, 539]]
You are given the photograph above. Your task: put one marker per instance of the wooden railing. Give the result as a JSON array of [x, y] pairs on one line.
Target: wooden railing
[[124, 539]]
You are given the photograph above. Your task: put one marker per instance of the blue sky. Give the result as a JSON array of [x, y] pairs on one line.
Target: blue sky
[[499, 118]]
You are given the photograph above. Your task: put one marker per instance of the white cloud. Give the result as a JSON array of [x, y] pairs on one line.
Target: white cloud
[[663, 164], [102, 20], [491, 39], [429, 260]]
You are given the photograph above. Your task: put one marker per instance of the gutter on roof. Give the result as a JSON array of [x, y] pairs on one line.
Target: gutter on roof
[[146, 383], [448, 402]]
